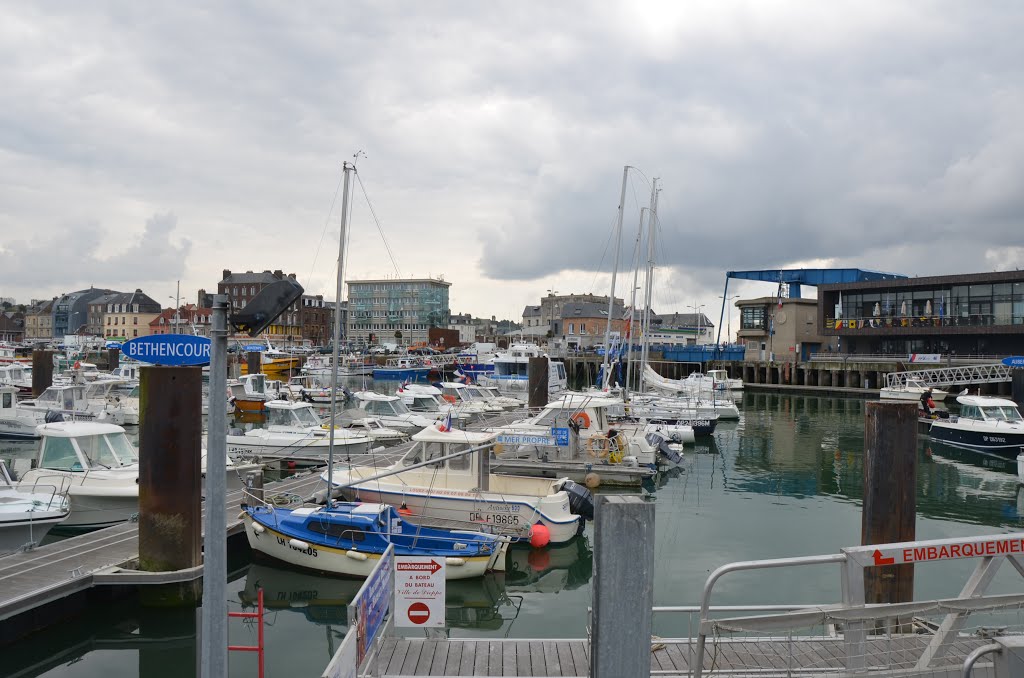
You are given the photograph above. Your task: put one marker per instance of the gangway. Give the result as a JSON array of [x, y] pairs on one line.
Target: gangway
[[952, 376]]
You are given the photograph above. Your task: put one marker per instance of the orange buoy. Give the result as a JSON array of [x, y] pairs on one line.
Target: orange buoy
[[540, 536]]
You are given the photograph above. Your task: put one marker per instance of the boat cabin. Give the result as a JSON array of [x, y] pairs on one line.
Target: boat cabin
[[431, 443], [292, 415], [981, 408], [78, 446], [15, 375], [101, 389], [127, 372], [377, 405], [64, 398], [591, 414]]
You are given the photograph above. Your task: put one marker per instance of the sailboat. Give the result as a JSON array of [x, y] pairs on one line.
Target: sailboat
[[347, 538]]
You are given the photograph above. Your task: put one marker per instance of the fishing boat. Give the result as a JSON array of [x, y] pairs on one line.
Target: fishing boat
[[349, 365], [446, 474], [477, 359], [347, 538], [511, 370], [984, 423], [294, 431], [410, 368], [275, 362], [28, 511]]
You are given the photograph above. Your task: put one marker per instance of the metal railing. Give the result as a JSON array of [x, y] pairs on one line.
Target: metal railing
[[932, 320]]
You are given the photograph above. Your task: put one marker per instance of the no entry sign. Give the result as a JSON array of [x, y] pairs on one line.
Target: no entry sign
[[419, 592]]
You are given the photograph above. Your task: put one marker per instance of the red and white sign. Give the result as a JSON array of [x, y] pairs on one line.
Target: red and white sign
[[943, 549], [419, 592]]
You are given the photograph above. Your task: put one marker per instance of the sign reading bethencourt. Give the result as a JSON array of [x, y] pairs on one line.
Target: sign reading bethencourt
[[173, 350]]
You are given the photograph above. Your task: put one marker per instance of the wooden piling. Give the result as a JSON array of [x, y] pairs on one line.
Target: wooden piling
[[113, 358], [170, 521], [1017, 383], [537, 372], [42, 371], [253, 365], [890, 484]]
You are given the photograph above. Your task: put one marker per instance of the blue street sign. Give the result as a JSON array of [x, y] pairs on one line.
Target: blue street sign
[[1014, 361], [253, 348], [561, 436], [168, 349]]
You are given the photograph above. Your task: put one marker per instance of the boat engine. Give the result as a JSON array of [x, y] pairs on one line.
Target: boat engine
[[581, 502], [53, 417], [665, 450]]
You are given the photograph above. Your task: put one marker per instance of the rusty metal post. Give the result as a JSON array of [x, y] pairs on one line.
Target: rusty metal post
[[890, 504], [252, 362], [170, 520], [113, 358], [537, 375], [42, 372]]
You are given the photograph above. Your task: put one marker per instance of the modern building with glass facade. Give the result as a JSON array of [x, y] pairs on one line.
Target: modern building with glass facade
[[396, 310], [971, 314]]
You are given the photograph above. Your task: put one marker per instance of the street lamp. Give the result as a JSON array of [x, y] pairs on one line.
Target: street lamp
[[696, 311], [552, 292], [177, 305], [728, 332]]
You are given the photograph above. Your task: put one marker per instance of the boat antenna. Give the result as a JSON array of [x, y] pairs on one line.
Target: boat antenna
[[336, 348]]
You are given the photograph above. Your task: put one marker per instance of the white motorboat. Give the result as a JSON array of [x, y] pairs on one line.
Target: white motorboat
[[28, 511], [294, 431], [348, 365], [429, 401], [984, 423], [68, 400], [375, 429], [912, 389], [470, 398], [99, 466], [105, 395], [511, 370], [462, 488], [309, 389], [507, 401], [17, 422], [721, 381], [17, 375], [391, 411]]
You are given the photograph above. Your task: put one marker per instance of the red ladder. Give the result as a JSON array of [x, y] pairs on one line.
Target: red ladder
[[258, 616]]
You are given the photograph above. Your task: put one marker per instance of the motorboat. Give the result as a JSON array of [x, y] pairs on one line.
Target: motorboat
[[97, 464], [347, 538], [28, 511], [477, 359], [17, 422], [68, 401], [106, 395], [374, 428], [509, 402], [511, 370], [912, 389], [430, 401], [412, 368], [984, 423], [275, 362], [391, 411], [17, 375], [459, 486], [468, 397], [721, 381], [348, 365], [250, 393], [309, 389], [294, 431]]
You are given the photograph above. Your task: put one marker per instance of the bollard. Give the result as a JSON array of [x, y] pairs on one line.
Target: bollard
[[253, 487], [113, 359], [252, 362], [42, 372], [170, 521], [623, 587], [537, 372], [890, 482]]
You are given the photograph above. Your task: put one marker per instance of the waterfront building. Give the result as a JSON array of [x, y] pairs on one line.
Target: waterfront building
[[781, 329], [128, 315], [680, 329], [582, 324], [71, 312], [190, 319], [967, 314], [12, 326], [464, 325], [39, 321], [396, 310], [315, 318], [97, 310], [240, 288]]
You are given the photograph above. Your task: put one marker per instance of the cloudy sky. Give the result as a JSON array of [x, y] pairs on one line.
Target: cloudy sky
[[145, 143]]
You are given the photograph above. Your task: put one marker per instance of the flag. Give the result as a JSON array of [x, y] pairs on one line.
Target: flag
[[405, 385], [459, 375], [446, 425]]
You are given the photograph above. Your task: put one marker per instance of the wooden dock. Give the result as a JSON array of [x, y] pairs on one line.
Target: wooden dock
[[551, 658]]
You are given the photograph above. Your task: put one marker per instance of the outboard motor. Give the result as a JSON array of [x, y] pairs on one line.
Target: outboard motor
[[581, 502], [53, 417], [661, 442]]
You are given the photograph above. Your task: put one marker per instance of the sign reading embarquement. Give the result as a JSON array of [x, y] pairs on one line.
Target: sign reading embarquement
[[1014, 361], [942, 549], [168, 349], [419, 591], [925, 357]]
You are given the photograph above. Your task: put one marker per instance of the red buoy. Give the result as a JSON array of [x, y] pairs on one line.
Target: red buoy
[[539, 536]]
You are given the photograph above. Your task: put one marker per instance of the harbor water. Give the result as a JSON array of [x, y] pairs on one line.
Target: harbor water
[[785, 480]]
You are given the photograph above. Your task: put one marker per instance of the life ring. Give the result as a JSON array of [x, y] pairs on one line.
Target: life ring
[[449, 398], [78, 365], [598, 446], [582, 419]]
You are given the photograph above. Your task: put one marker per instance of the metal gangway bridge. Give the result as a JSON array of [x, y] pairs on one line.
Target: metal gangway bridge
[[953, 376]]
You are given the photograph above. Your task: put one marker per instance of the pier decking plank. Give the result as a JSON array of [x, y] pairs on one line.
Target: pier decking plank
[[565, 660], [523, 665], [425, 662], [538, 667], [411, 657], [454, 660], [480, 662], [468, 660], [554, 667]]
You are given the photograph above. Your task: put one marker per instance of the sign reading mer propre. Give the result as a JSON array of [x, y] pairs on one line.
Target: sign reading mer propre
[[168, 349], [419, 591]]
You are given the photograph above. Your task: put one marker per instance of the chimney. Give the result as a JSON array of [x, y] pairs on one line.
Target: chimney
[[226, 275], [292, 276]]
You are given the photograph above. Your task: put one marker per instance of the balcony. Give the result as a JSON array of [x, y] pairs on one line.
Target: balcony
[[925, 323]]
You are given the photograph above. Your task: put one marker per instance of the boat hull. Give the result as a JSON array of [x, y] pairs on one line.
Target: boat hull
[[1004, 442], [28, 528], [89, 511], [316, 448], [401, 374], [323, 558]]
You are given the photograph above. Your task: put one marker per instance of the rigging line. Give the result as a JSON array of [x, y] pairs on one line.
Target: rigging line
[[607, 245], [387, 246], [327, 221]]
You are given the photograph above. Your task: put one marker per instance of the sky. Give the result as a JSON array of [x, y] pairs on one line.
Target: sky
[[144, 144]]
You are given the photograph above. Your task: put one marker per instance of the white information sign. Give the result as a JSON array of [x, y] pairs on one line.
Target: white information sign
[[419, 592]]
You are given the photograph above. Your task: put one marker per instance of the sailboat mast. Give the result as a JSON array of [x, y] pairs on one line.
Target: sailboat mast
[[632, 306], [615, 270], [336, 349], [645, 326]]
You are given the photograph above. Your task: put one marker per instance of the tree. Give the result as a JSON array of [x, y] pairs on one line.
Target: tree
[[398, 335]]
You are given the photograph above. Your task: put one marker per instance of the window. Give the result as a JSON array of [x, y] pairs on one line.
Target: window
[[59, 454], [135, 320], [336, 530], [8, 400], [135, 333], [752, 318]]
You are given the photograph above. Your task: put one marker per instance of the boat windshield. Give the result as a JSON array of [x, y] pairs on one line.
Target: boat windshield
[[1001, 413], [386, 407], [424, 404], [306, 416], [111, 450], [511, 369], [479, 393]]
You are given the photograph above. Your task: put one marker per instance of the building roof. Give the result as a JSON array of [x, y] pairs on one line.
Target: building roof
[[682, 320], [586, 309], [249, 277], [43, 307], [531, 312], [930, 281], [105, 299], [146, 303], [436, 281]]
